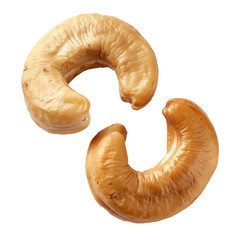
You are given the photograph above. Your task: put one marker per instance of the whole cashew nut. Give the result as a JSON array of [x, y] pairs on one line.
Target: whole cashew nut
[[168, 188], [81, 43]]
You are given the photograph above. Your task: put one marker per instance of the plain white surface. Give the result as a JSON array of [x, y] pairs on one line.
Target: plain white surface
[[44, 193]]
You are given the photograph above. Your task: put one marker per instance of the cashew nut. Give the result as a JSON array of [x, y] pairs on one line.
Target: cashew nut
[[81, 43], [168, 188]]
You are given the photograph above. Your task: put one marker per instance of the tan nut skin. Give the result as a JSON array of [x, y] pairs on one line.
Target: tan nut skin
[[80, 43], [168, 188]]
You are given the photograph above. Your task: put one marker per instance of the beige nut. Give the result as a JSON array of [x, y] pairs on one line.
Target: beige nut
[[168, 188], [81, 43]]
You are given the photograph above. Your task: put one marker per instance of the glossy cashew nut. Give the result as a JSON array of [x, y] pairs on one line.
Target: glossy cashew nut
[[168, 188], [81, 43]]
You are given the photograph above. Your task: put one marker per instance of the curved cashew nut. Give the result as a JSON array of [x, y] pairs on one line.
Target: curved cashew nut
[[81, 43], [168, 188]]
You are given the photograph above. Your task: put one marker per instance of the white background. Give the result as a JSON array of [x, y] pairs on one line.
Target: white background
[[44, 193]]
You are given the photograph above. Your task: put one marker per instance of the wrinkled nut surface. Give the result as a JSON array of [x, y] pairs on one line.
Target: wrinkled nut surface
[[168, 188], [81, 43]]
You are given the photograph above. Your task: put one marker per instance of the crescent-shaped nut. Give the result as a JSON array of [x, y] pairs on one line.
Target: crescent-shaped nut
[[168, 188], [80, 43]]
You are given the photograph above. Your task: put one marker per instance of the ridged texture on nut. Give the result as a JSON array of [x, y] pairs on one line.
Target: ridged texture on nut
[[168, 188], [81, 43]]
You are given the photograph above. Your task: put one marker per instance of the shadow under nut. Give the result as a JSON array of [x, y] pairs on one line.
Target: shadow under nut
[[80, 43], [169, 187]]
